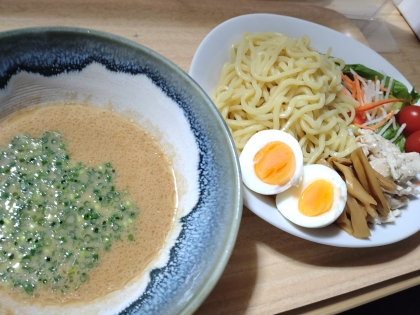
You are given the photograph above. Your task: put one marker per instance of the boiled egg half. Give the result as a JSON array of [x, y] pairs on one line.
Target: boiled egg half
[[271, 162], [319, 199]]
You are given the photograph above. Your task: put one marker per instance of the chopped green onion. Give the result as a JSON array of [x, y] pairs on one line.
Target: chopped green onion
[[63, 215]]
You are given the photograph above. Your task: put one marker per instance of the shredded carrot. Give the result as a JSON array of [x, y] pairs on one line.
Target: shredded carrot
[[348, 86], [346, 78], [358, 94], [379, 124], [345, 91], [355, 89], [362, 96], [379, 103], [348, 83]]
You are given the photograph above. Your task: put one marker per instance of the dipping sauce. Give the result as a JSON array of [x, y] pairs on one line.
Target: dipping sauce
[[116, 237]]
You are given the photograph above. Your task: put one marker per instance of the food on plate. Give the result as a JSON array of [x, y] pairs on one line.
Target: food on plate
[[384, 103], [74, 204], [319, 199], [399, 167], [365, 197], [410, 116], [388, 87], [379, 182], [379, 178], [271, 162], [339, 114], [412, 143], [276, 82]]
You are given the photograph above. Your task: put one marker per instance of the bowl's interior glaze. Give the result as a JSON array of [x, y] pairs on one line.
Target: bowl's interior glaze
[[42, 65]]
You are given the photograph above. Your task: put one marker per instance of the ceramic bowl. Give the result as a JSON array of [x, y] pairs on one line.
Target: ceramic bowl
[[42, 65]]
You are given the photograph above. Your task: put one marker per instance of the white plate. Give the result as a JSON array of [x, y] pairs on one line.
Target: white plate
[[206, 66]]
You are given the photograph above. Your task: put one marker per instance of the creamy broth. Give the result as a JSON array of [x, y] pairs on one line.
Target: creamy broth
[[95, 136]]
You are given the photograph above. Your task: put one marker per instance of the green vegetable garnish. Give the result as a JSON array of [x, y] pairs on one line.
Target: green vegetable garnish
[[398, 89], [400, 142], [56, 215], [390, 133]]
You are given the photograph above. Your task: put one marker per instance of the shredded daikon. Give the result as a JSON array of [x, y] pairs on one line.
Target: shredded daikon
[[400, 130], [388, 89], [377, 91], [373, 121], [386, 126]]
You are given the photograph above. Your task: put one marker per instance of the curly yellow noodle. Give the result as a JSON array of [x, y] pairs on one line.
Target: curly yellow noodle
[[275, 82]]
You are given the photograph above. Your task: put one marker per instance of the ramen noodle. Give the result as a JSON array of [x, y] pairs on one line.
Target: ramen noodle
[[275, 82]]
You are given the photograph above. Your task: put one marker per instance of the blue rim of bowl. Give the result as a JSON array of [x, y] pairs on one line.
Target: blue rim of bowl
[[215, 273]]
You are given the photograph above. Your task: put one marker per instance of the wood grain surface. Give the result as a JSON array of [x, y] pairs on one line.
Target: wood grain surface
[[269, 271]]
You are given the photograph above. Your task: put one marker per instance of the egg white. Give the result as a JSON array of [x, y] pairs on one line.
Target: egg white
[[255, 144], [287, 201]]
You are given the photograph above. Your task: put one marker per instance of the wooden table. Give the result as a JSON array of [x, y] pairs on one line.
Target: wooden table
[[269, 271]]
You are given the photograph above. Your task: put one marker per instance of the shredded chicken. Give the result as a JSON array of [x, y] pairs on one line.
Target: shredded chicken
[[386, 158], [393, 214]]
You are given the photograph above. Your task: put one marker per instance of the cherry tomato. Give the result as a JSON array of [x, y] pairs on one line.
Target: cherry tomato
[[412, 143], [358, 119], [409, 115]]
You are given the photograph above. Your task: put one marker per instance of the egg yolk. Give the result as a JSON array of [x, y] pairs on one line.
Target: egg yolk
[[275, 163], [317, 198]]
